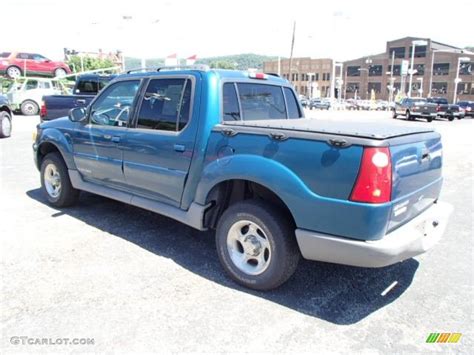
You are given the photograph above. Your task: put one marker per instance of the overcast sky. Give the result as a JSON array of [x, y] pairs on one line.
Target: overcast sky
[[340, 29]]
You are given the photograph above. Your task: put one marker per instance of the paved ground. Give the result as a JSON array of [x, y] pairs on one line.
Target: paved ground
[[133, 280]]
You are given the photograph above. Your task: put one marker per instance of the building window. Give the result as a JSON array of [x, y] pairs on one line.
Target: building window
[[324, 76], [465, 69], [441, 69], [317, 77], [353, 71], [377, 87], [396, 69], [420, 51], [399, 52], [420, 69], [328, 76], [464, 88], [352, 87], [439, 88], [375, 70]]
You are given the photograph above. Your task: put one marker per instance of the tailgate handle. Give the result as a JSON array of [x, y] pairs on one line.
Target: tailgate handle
[[228, 132], [338, 142], [278, 136]]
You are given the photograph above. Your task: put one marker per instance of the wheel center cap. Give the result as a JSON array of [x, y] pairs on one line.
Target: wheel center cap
[[252, 246]]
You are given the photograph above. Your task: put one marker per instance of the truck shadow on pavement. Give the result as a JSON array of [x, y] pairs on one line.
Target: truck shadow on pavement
[[334, 293]]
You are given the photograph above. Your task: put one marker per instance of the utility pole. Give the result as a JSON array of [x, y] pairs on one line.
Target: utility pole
[[291, 52]]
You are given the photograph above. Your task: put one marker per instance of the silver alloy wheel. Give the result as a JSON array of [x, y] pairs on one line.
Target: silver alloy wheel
[[29, 108], [248, 247], [52, 180], [14, 72], [6, 127], [59, 73]]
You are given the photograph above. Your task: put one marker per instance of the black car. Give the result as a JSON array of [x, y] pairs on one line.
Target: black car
[[444, 109], [467, 107], [5, 118]]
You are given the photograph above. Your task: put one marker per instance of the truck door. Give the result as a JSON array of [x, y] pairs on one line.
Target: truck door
[[97, 144], [158, 150]]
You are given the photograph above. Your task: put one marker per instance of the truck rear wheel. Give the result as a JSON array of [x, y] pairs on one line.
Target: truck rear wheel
[[55, 181], [29, 108], [256, 245]]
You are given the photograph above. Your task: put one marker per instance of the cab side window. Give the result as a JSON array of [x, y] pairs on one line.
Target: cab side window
[[166, 105], [113, 106]]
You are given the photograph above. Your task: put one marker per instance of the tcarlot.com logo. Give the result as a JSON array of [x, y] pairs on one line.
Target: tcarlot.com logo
[[444, 338]]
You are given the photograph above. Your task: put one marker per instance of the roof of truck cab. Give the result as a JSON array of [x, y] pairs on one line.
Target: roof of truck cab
[[222, 74]]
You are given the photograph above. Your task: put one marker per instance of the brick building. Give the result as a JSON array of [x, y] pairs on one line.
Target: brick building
[[436, 66], [310, 77]]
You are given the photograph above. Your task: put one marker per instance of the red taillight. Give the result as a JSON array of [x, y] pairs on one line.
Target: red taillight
[[438, 108], [374, 182], [43, 110]]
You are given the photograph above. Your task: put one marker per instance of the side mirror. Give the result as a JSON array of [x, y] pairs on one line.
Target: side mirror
[[77, 114]]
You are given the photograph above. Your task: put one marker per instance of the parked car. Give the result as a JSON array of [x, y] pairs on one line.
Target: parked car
[[363, 105], [444, 109], [17, 64], [6, 116], [467, 107], [350, 104], [319, 104], [232, 151], [415, 107], [85, 89], [380, 105], [304, 102], [26, 94]]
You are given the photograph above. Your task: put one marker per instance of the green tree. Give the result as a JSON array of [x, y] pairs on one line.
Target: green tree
[[89, 63]]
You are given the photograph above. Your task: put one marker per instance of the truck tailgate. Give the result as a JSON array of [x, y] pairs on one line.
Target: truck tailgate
[[416, 169]]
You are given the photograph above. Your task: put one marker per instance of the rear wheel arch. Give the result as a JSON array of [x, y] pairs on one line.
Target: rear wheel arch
[[228, 192]]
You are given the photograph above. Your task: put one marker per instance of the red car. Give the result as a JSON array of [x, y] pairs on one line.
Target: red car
[[16, 64]]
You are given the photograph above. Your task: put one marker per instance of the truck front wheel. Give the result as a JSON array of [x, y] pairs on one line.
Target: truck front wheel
[[55, 181], [256, 245]]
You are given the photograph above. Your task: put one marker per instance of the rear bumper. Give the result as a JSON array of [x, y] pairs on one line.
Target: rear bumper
[[413, 238], [424, 114]]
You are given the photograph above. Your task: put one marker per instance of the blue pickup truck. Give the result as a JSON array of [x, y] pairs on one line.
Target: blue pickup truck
[[232, 151], [85, 89]]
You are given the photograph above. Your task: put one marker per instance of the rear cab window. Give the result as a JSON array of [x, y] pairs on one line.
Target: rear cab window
[[251, 101]]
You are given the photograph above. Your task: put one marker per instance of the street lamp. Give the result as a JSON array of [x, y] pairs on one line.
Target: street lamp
[[310, 84], [415, 43], [420, 90], [367, 91], [458, 79], [391, 86]]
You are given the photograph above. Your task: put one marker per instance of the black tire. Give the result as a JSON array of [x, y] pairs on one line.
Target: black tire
[[451, 118], [67, 195], [13, 72], [429, 119], [5, 124], [29, 108], [277, 229], [394, 114], [409, 116]]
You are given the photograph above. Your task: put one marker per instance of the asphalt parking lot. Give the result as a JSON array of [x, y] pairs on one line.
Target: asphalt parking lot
[[132, 280]]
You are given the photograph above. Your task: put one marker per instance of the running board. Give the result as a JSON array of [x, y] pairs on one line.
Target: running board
[[193, 217]]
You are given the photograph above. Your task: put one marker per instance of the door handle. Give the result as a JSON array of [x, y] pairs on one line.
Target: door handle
[[116, 139], [81, 101], [179, 148]]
